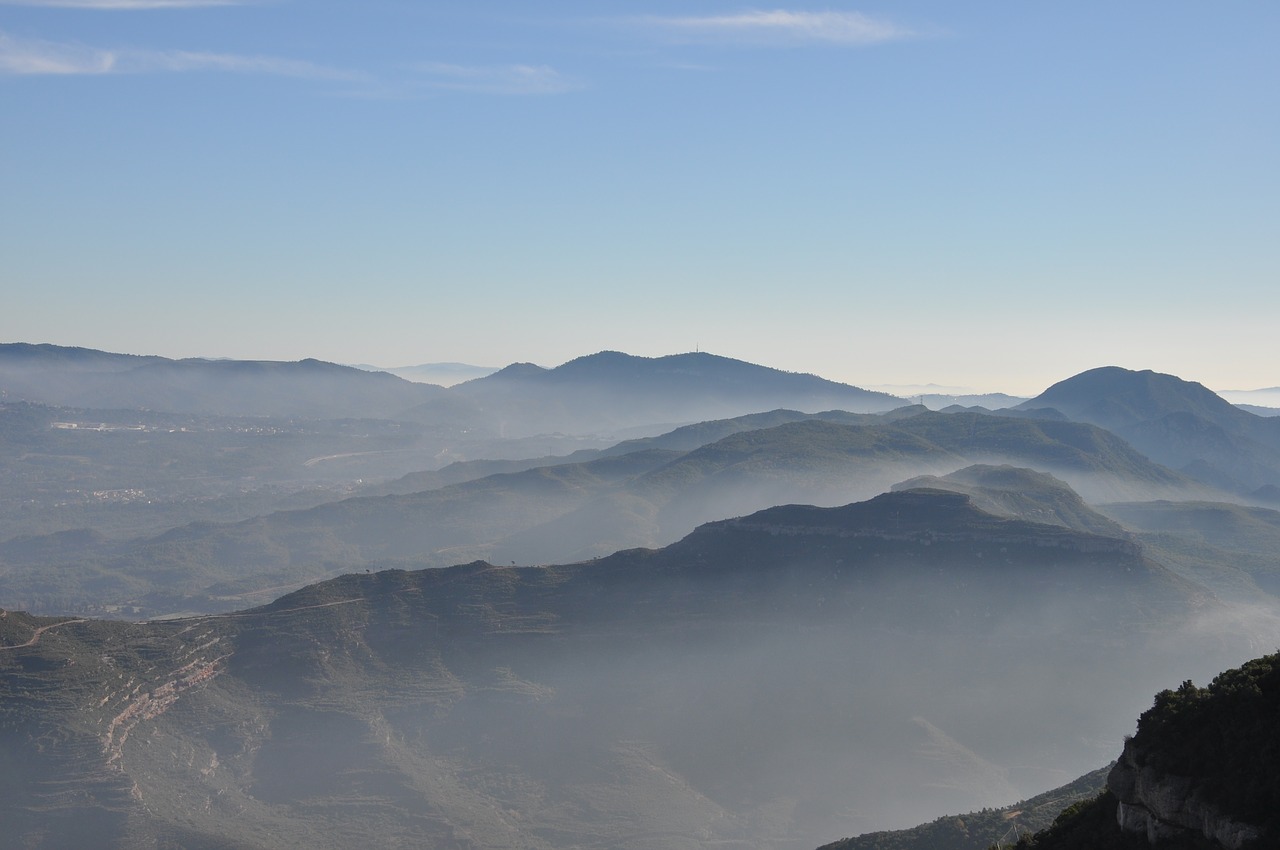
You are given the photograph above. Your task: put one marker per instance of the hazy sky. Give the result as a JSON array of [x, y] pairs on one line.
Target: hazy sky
[[991, 195]]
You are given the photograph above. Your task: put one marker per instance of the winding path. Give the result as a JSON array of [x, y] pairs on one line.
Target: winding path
[[41, 630]]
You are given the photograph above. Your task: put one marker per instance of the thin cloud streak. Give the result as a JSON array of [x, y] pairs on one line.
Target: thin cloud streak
[[123, 5], [782, 27], [181, 60], [496, 79], [33, 58]]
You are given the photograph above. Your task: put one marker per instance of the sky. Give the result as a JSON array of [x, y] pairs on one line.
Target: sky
[[991, 195]]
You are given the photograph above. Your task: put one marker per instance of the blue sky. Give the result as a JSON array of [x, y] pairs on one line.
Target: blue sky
[[991, 195]]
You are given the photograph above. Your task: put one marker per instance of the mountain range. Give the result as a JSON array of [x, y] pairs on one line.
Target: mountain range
[[768, 610], [1175, 422], [771, 681], [83, 378], [608, 391], [647, 496]]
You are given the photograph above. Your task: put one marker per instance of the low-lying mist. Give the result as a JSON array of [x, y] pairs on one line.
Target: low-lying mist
[[780, 681]]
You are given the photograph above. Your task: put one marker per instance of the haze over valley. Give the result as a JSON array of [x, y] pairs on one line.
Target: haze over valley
[[730, 606], [670, 424]]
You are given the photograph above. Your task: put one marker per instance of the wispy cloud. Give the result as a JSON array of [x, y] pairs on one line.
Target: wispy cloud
[[781, 27], [181, 60], [29, 56], [116, 5], [35, 57], [495, 79]]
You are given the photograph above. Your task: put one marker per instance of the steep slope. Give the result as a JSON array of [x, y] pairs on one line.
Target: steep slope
[[1200, 774], [1178, 423], [772, 681]]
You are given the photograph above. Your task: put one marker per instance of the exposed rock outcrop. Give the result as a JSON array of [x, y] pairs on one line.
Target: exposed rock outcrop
[[1164, 807]]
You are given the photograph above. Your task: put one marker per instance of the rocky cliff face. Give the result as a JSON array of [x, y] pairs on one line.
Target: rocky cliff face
[[1165, 807]]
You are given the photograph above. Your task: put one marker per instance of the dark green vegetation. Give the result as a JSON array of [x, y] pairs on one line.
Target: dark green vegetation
[[772, 681], [1226, 736], [982, 829], [1091, 825], [1200, 774]]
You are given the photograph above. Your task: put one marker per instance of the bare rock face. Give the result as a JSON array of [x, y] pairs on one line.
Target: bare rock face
[[1164, 807]]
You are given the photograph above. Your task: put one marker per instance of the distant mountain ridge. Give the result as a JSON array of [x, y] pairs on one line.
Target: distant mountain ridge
[[74, 377], [719, 645], [610, 389], [606, 392], [1178, 423]]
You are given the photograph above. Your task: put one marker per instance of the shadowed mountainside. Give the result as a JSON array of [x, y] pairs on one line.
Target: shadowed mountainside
[[1177, 423]]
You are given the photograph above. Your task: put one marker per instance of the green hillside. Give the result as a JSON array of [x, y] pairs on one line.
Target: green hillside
[[982, 829]]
